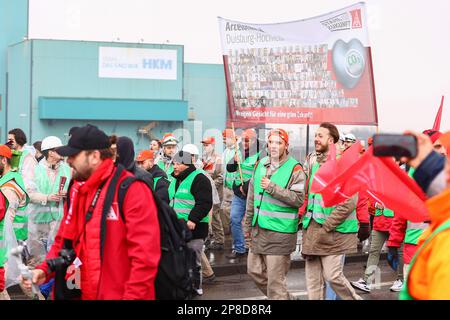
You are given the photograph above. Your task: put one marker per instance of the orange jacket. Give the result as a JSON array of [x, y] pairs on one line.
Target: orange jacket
[[429, 277]]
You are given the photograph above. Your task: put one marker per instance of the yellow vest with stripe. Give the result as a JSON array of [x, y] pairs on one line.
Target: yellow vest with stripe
[[182, 200], [229, 177], [270, 213], [317, 211]]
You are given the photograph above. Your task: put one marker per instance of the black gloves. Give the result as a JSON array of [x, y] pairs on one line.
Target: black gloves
[[364, 231]]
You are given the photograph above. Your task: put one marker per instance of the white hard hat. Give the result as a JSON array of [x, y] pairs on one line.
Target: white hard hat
[[51, 142], [350, 137], [191, 148]]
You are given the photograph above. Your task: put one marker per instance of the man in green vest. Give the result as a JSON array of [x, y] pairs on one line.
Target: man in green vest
[[169, 149], [3, 247], [243, 167], [328, 233], [190, 194], [27, 162], [146, 160], [13, 188], [51, 180], [276, 191]]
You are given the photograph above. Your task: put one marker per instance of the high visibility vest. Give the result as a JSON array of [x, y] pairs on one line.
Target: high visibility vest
[[20, 222], [413, 229], [229, 177], [182, 200], [405, 294], [247, 167], [3, 248], [319, 213], [168, 170], [388, 213], [270, 213], [51, 211]]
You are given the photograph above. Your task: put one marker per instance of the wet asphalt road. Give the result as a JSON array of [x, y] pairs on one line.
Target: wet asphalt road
[[240, 286]]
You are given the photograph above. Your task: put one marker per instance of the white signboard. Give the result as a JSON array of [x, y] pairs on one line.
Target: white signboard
[[137, 63]]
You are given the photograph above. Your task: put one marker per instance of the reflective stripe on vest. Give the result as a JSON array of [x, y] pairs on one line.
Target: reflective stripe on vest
[[247, 167], [319, 213], [20, 221], [271, 213], [182, 200], [414, 231]]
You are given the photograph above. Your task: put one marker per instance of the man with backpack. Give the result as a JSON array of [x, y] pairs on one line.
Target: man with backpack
[[190, 195], [117, 252]]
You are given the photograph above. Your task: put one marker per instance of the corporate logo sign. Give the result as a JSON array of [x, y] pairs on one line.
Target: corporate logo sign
[[137, 63]]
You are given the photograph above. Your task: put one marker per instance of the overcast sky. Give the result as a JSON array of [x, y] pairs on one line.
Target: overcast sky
[[410, 39]]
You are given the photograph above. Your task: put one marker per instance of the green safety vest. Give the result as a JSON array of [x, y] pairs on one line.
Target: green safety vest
[[51, 211], [20, 222], [247, 167], [3, 248], [168, 171], [404, 294], [230, 177], [25, 152], [414, 230], [182, 200], [319, 213], [270, 213], [388, 213]]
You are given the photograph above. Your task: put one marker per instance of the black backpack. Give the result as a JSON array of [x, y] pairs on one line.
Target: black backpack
[[174, 280]]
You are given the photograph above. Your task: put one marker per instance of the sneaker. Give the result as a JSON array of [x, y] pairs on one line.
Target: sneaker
[[361, 285], [209, 279], [397, 286], [236, 255], [215, 246]]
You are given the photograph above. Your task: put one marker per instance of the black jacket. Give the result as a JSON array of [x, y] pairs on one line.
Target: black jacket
[[201, 190], [162, 186], [232, 166]]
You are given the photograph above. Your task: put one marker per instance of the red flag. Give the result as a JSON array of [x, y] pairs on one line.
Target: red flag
[[437, 121], [332, 168], [383, 181]]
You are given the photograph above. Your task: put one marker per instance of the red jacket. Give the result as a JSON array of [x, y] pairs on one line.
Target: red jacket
[[131, 250], [380, 223], [362, 209], [397, 234]]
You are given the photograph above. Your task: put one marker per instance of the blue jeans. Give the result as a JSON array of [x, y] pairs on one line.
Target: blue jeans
[[237, 214], [330, 294]]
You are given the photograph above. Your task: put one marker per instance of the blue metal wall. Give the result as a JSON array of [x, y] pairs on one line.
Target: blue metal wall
[[13, 29], [66, 91]]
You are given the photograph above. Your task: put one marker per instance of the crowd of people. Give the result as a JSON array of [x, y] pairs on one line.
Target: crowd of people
[[59, 198]]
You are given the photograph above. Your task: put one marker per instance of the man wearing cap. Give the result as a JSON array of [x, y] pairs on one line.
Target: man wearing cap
[[349, 140], [169, 148], [47, 192], [190, 194], [145, 160], [328, 233], [229, 140], [117, 257], [252, 152], [276, 191], [4, 205], [212, 164], [13, 188]]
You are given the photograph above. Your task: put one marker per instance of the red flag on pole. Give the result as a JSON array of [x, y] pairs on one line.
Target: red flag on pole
[[383, 181], [437, 121]]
